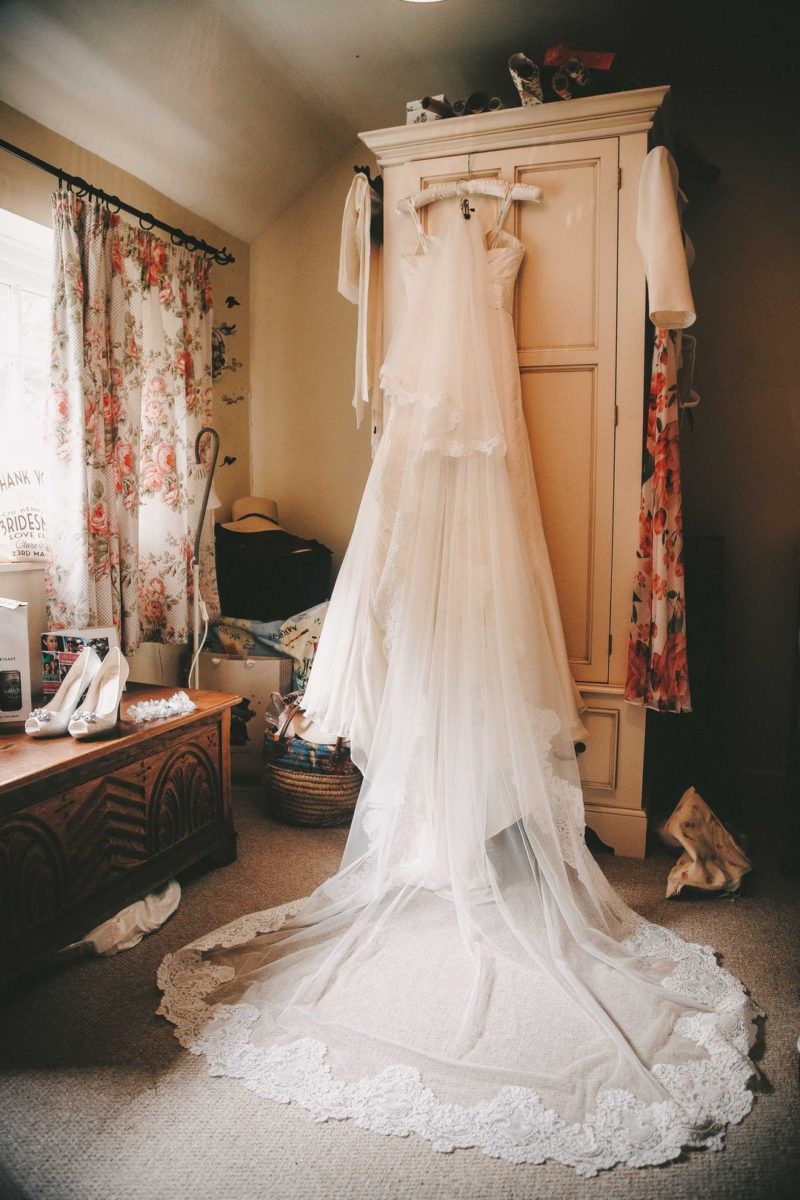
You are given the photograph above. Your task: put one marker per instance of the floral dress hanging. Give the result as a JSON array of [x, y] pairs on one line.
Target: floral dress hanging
[[658, 671]]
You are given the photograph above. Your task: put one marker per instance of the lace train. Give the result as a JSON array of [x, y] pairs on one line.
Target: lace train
[[708, 1093], [468, 974]]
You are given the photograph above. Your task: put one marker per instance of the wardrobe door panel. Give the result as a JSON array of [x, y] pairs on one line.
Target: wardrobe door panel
[[565, 320], [557, 295], [567, 288], [434, 216], [565, 317], [567, 443], [400, 236]]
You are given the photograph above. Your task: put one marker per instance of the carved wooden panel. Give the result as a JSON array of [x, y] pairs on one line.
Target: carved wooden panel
[[33, 874], [94, 826], [186, 792], [106, 829]]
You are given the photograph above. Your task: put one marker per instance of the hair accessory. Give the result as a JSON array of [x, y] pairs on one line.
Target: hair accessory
[[157, 710]]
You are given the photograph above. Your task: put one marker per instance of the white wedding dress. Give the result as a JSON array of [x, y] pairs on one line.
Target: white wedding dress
[[468, 974]]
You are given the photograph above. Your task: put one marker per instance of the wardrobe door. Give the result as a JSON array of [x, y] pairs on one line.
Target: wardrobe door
[[565, 316]]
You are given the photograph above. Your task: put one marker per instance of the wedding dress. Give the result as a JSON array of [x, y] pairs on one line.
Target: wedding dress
[[468, 974]]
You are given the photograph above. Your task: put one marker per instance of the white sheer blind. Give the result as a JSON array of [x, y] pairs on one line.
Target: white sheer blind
[[25, 290]]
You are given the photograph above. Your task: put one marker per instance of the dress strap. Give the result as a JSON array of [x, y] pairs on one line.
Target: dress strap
[[412, 212], [502, 213]]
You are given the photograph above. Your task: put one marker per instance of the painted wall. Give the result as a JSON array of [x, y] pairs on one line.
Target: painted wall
[[25, 190], [741, 464], [307, 454], [741, 472]]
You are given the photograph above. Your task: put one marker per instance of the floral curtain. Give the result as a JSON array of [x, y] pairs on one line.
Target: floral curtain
[[658, 671], [130, 387]]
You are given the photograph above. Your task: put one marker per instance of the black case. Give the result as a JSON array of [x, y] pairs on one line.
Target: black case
[[270, 576]]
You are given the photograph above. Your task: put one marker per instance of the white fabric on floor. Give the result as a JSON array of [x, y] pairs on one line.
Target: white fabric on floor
[[131, 924]]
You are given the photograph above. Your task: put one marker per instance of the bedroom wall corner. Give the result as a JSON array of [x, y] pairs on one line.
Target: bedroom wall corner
[[306, 452]]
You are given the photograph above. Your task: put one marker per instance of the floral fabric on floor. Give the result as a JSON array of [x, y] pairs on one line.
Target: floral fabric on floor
[[658, 672], [130, 388], [711, 860]]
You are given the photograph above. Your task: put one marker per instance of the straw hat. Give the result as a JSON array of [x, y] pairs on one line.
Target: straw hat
[[253, 514]]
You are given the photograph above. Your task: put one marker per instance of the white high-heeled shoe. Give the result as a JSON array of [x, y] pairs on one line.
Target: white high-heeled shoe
[[100, 709], [52, 720]]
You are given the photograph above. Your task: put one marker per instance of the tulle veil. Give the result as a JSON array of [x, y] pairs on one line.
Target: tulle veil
[[468, 974]]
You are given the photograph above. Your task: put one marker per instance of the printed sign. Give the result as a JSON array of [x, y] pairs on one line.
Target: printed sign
[[22, 522]]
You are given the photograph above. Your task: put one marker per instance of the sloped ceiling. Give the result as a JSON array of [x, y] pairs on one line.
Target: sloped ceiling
[[232, 107]]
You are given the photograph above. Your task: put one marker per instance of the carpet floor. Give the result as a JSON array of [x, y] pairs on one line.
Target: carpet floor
[[99, 1102]]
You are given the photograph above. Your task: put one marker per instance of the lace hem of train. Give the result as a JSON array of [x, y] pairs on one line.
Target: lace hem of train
[[709, 1092]]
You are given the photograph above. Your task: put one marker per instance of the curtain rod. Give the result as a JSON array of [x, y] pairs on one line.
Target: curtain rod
[[179, 237]]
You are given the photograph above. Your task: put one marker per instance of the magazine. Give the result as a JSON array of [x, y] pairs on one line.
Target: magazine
[[61, 648]]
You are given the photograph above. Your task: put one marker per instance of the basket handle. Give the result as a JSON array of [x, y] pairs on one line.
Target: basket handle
[[338, 750], [289, 713]]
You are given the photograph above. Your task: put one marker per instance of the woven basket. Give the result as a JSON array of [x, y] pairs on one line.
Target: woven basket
[[306, 784]]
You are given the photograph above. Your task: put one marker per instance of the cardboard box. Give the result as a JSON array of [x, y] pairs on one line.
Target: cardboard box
[[15, 669], [25, 581], [61, 648], [254, 679]]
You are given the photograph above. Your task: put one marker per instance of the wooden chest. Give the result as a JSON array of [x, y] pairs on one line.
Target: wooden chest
[[88, 827]]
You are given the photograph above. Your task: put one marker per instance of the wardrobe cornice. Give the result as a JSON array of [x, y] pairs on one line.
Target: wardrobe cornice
[[569, 120]]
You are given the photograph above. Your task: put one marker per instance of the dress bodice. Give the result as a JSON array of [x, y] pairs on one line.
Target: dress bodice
[[504, 259]]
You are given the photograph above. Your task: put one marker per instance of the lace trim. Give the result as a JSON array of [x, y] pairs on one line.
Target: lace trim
[[449, 446], [566, 799], [514, 1125], [402, 395], [460, 449]]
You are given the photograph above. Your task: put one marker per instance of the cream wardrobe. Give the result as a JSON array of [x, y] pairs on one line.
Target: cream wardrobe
[[579, 315]]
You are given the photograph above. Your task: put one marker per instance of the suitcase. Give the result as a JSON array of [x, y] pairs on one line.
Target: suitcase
[[268, 576], [254, 679]]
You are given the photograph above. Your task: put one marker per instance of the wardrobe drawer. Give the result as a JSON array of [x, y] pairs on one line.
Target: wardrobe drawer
[[611, 769], [611, 766], [598, 763]]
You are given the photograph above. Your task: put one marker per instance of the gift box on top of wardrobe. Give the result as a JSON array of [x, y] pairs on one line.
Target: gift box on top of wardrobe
[[579, 314]]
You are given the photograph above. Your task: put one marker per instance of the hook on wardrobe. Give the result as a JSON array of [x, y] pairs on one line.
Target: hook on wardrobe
[[376, 184], [466, 209], [376, 203]]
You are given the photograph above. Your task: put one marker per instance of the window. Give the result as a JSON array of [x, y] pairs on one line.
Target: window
[[25, 288]]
